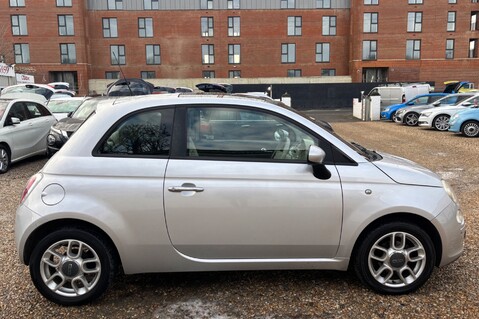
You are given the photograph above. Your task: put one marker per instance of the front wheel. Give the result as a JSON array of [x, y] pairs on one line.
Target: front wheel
[[72, 266], [4, 159], [411, 119], [470, 129], [395, 258], [441, 122]]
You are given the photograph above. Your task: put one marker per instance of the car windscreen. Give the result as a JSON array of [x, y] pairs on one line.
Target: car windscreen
[[85, 109], [63, 106], [3, 107]]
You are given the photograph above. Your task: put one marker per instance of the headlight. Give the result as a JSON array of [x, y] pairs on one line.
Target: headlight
[[386, 109], [450, 192], [426, 114], [51, 139]]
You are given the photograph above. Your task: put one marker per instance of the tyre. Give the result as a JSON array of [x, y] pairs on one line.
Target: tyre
[[411, 119], [393, 115], [441, 122], [470, 129], [4, 159], [395, 258], [72, 266]]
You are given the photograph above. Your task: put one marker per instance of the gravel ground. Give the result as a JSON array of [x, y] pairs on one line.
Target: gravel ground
[[452, 291]]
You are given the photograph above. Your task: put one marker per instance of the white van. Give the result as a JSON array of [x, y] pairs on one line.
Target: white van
[[399, 94]]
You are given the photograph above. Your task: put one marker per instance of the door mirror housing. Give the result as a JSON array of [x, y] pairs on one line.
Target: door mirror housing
[[436, 103], [466, 104], [13, 121], [316, 155]]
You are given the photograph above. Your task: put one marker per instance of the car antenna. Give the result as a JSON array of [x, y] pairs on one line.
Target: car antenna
[[123, 74]]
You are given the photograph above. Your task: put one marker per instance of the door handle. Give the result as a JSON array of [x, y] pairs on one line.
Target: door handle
[[185, 188]]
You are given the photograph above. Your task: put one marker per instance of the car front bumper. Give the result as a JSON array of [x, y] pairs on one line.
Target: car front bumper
[[425, 121]]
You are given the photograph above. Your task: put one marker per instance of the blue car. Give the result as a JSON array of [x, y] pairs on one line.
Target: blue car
[[422, 99], [465, 122]]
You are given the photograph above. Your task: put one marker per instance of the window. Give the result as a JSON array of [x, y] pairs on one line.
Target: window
[[64, 3], [153, 55], [414, 1], [17, 3], [147, 74], [371, 2], [322, 52], [323, 4], [451, 1], [329, 25], [208, 74], [233, 4], [472, 48], [68, 53], [234, 26], [474, 25], [22, 53], [206, 4], [370, 22], [413, 49], [294, 25], [112, 75], [145, 27], [328, 72], [370, 50], [19, 25], [208, 53], [117, 54], [235, 133], [234, 53], [294, 73], [451, 21], [207, 26], [234, 74], [65, 25], [115, 4], [287, 4], [450, 49], [110, 28], [414, 21], [27, 110], [288, 53], [151, 4], [142, 134]]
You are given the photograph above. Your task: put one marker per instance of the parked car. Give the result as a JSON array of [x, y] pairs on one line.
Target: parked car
[[395, 94], [62, 107], [62, 87], [423, 99], [61, 131], [128, 87], [163, 90], [24, 125], [438, 118], [410, 115], [42, 89], [465, 122], [130, 192], [183, 90]]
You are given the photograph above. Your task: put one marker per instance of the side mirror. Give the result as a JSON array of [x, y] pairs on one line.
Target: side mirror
[[436, 103], [466, 104], [69, 114], [316, 156], [13, 121]]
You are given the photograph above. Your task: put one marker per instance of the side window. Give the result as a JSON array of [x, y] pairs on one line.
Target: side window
[[421, 100], [18, 110], [237, 133], [34, 110], [142, 134], [433, 99]]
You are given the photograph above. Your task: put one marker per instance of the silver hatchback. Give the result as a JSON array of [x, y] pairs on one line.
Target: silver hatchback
[[177, 183]]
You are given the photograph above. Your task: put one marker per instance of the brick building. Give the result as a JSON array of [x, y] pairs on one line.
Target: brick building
[[367, 40]]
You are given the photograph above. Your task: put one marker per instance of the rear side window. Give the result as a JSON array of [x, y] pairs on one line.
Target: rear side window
[[147, 133]]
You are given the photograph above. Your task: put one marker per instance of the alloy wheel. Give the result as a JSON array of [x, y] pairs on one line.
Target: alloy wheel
[[4, 160], [411, 119], [471, 129], [441, 123]]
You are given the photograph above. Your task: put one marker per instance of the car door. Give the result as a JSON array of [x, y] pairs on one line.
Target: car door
[[247, 191], [20, 136], [40, 121]]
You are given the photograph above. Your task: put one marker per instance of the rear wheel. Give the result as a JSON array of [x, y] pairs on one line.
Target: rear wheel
[[441, 122], [395, 258], [4, 159], [470, 129], [411, 119]]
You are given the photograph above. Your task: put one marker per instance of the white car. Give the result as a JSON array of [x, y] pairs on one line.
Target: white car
[[438, 117], [185, 182], [24, 126], [62, 107]]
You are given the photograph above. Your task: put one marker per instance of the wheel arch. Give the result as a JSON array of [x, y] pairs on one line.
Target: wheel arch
[[40, 232], [9, 150], [422, 222]]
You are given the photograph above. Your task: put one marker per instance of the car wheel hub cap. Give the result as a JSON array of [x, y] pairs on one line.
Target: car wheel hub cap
[[472, 129], [442, 123], [70, 269], [3, 159], [397, 259]]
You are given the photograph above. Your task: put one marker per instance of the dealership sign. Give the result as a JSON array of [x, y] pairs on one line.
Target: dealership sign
[[6, 70], [23, 79]]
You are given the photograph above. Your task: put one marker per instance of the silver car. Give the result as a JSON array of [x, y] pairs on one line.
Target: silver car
[[179, 183], [24, 125]]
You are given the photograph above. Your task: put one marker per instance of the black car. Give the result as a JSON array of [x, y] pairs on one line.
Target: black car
[[61, 131], [129, 87]]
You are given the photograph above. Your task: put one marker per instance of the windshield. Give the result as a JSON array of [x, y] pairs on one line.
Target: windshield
[[63, 106], [85, 109], [3, 107]]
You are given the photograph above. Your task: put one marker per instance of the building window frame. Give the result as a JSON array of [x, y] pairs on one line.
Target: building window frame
[[206, 4], [234, 74], [371, 2], [17, 3], [288, 4], [414, 22], [415, 2], [21, 52], [329, 25], [151, 4], [323, 4], [234, 26], [207, 26], [145, 27], [110, 27], [208, 74], [473, 54], [153, 54], [450, 49], [68, 53], [288, 53], [451, 21], [112, 75], [323, 52], [328, 72], [147, 74], [413, 49], [118, 54], [64, 3], [370, 50], [233, 4], [115, 5], [370, 22], [234, 53], [208, 54], [66, 26], [295, 25], [19, 24], [294, 73]]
